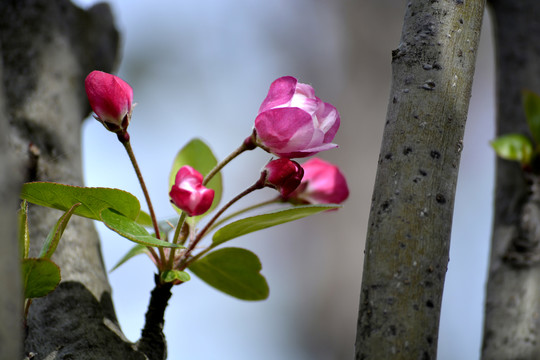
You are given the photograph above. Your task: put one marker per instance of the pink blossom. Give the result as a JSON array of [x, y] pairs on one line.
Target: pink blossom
[[189, 194], [111, 99], [293, 122], [283, 175], [323, 183]]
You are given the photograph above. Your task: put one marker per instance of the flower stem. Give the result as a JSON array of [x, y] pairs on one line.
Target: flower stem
[[129, 150], [248, 144], [179, 228], [155, 256], [175, 239], [258, 185], [27, 304], [123, 137]]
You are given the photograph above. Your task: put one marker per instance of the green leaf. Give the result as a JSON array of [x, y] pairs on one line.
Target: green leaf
[[531, 105], [50, 244], [131, 230], [40, 277], [514, 147], [234, 271], [259, 222], [136, 250], [23, 233], [144, 219], [93, 200], [173, 275], [199, 156]]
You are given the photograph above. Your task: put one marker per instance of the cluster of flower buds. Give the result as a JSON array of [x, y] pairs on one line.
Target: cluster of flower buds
[[291, 123], [315, 182]]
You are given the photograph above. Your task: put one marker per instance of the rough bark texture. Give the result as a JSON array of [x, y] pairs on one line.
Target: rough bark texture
[[48, 47], [10, 281], [512, 321], [152, 339], [408, 237]]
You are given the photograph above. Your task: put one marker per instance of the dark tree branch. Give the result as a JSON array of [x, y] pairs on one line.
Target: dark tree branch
[[152, 341], [408, 237], [512, 323]]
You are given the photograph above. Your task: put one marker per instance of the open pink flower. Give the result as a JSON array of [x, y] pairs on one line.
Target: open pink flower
[[111, 98], [189, 194], [283, 175], [293, 122], [323, 183]]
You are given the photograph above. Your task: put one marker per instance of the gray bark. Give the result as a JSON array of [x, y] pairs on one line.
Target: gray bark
[[10, 281], [408, 236], [512, 321], [47, 49]]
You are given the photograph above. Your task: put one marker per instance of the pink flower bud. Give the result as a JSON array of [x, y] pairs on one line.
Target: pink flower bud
[[189, 194], [323, 183], [111, 99], [283, 175], [293, 122]]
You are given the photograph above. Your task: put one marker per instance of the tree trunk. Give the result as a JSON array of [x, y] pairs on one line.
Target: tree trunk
[[408, 237], [10, 281], [512, 321], [47, 49]]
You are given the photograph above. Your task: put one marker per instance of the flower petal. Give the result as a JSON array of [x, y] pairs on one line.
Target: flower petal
[[277, 127], [293, 122], [281, 92], [110, 97], [325, 183], [189, 194]]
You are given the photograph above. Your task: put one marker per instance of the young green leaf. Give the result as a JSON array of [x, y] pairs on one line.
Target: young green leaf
[[23, 234], [129, 229], [199, 156], [531, 105], [40, 277], [514, 147], [134, 251], [93, 200], [173, 275], [50, 244], [144, 219], [234, 271], [259, 222]]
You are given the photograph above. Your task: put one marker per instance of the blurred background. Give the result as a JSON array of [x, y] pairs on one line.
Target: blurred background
[[201, 69]]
